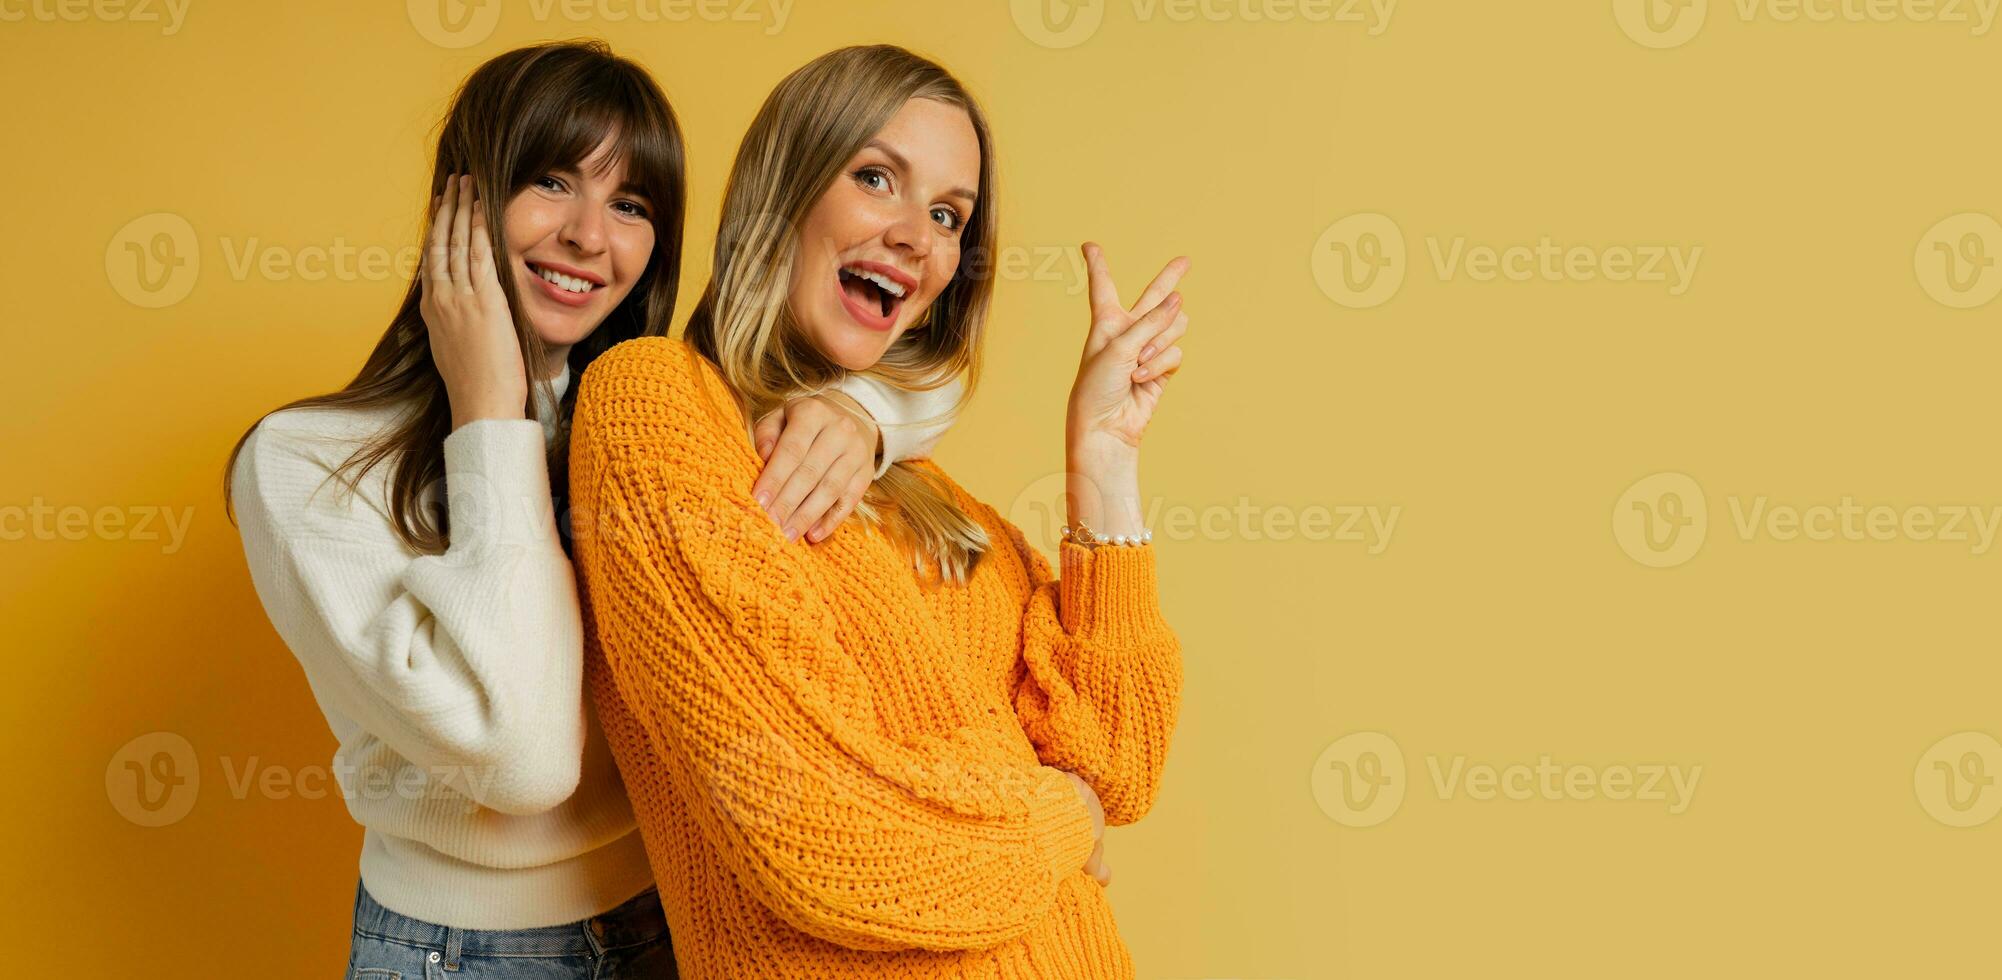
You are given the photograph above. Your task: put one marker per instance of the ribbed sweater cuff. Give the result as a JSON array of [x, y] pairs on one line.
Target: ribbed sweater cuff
[[1109, 592], [497, 485]]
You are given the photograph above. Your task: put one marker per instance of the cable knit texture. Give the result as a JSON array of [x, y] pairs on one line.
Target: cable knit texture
[[454, 682], [841, 766]]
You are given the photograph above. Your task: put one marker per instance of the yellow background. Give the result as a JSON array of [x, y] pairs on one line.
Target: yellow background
[[1504, 621]]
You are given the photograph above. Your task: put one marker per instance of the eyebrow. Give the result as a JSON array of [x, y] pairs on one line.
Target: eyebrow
[[628, 187], [905, 165]]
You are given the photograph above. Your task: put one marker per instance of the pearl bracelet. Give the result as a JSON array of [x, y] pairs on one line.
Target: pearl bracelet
[[1084, 535]]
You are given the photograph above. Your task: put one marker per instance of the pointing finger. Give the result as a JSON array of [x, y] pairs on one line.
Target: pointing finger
[[1163, 284], [1104, 295]]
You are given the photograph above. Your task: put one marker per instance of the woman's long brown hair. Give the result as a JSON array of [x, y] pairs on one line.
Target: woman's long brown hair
[[524, 114]]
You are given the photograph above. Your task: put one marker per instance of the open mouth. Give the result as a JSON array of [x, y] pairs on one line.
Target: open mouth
[[873, 292]]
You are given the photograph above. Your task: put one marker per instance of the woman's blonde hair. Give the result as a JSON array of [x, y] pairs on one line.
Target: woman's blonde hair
[[811, 125]]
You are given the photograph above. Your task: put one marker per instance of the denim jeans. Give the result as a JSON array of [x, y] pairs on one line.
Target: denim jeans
[[627, 943]]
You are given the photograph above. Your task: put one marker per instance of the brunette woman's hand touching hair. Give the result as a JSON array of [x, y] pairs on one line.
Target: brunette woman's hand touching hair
[[473, 343], [1129, 355]]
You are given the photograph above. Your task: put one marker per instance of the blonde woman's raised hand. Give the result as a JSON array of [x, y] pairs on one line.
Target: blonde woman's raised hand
[[473, 342], [1129, 355]]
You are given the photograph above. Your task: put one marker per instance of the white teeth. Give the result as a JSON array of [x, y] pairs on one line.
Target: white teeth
[[566, 283], [889, 285]]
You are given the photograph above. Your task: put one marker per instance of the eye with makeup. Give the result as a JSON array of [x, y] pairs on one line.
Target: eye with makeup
[[877, 179], [627, 207]]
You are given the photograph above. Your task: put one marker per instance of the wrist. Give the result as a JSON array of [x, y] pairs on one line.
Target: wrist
[[1104, 494], [1100, 450], [466, 410], [863, 417]]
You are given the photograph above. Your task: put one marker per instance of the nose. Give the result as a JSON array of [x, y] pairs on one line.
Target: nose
[[910, 232], [584, 227]]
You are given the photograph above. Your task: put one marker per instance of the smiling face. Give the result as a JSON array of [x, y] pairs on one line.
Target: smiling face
[[884, 239], [579, 238]]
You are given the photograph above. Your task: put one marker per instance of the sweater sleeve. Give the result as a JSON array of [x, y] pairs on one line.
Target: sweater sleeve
[[469, 664], [1103, 672], [719, 642], [911, 421]]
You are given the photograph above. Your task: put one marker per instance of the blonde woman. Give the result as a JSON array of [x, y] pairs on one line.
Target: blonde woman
[[891, 755], [403, 532]]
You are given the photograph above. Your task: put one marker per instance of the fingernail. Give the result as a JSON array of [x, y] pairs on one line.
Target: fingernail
[[1174, 300], [764, 449], [1147, 352], [764, 499], [791, 533]]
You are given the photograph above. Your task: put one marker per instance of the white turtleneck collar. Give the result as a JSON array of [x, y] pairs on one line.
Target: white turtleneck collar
[[547, 412]]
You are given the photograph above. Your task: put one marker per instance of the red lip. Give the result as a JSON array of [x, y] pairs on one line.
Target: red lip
[[558, 294]]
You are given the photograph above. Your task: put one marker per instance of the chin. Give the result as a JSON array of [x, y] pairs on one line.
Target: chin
[[561, 332], [845, 343], [857, 353]]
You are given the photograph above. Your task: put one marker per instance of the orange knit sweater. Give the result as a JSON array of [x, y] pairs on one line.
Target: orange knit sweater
[[842, 768]]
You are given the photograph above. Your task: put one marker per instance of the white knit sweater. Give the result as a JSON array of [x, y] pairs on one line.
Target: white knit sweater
[[453, 682]]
